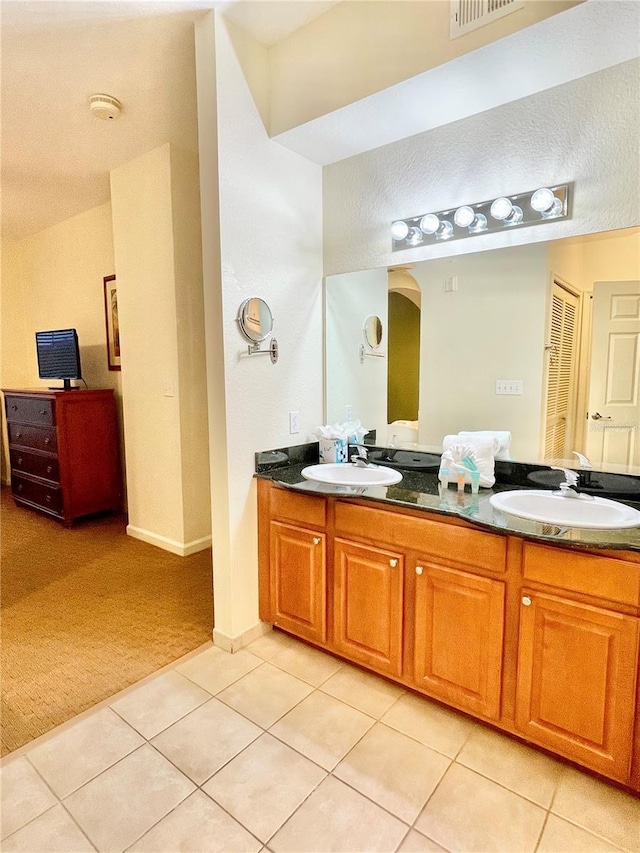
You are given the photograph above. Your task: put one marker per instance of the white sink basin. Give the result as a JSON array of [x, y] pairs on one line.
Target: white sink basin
[[350, 475], [550, 508]]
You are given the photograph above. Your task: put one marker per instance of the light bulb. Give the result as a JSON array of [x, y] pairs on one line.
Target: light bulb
[[429, 223], [466, 217], [415, 237], [399, 230], [545, 202], [503, 210]]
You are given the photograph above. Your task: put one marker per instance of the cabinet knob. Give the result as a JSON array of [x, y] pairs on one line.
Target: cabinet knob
[[47, 441], [47, 498], [43, 411], [14, 408], [419, 570], [526, 600], [49, 469], [19, 489], [316, 540], [18, 434], [19, 460], [393, 563]]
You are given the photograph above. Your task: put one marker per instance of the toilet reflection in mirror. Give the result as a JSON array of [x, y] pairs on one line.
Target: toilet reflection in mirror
[[559, 321]]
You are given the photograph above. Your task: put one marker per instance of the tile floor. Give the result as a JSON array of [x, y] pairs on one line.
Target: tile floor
[[283, 748]]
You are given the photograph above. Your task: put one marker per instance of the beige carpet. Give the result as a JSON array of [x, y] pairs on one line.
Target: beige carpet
[[86, 612]]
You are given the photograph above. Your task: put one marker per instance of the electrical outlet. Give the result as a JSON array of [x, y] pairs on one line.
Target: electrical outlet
[[511, 387], [294, 422], [169, 389], [450, 283], [348, 412]]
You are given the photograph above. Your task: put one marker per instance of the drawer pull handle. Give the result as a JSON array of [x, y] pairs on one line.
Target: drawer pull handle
[[316, 540], [43, 411], [18, 434], [14, 408], [19, 460], [47, 441], [419, 570], [49, 469], [47, 498], [19, 489], [393, 563], [526, 600]]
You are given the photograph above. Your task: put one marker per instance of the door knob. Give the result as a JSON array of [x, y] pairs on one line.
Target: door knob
[[393, 563], [316, 540], [596, 416], [526, 600]]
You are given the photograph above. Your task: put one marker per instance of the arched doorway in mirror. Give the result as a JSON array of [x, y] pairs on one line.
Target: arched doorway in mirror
[[403, 374]]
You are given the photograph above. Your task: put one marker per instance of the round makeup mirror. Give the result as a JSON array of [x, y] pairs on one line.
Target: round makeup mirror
[[255, 319], [373, 331]]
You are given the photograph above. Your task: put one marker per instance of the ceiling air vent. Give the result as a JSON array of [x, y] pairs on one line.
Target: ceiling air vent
[[467, 15]]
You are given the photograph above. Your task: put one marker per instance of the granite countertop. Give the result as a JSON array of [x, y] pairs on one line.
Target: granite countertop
[[421, 490]]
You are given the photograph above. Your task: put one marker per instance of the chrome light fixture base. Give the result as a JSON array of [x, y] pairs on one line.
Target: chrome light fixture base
[[535, 207]]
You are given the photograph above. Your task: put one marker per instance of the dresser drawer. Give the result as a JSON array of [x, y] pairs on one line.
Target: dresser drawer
[[46, 467], [30, 410], [48, 497], [40, 438]]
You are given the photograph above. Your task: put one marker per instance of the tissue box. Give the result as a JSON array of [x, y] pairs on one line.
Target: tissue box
[[333, 450]]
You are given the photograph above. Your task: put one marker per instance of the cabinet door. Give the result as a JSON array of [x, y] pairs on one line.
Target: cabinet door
[[298, 581], [459, 622], [576, 681], [369, 605]]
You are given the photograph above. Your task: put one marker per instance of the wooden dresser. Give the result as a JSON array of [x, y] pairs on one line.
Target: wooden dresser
[[64, 451]]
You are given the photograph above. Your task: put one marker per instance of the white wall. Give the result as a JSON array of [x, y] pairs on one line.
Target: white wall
[[269, 207], [585, 131], [162, 342], [491, 328], [350, 299]]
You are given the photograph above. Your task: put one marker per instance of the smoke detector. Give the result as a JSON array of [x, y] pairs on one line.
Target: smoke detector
[[105, 107]]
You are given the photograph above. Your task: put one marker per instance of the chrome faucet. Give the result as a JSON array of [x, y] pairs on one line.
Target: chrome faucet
[[361, 458], [569, 488]]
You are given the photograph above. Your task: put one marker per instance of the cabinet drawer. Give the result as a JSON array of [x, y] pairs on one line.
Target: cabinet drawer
[[39, 466], [30, 410], [601, 577], [459, 544], [48, 497], [300, 508], [40, 438]]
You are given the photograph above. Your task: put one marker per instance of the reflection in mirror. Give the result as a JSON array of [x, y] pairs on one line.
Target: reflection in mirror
[[373, 331], [542, 340], [255, 319]]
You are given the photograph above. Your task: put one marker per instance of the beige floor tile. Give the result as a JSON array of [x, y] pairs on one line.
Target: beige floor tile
[[160, 702], [599, 808], [125, 801], [337, 818], [269, 644], [322, 728], [367, 693], [197, 824], [470, 813], [393, 770], [560, 836], [436, 727], [264, 785], [24, 795], [203, 741], [79, 753], [306, 663], [517, 767], [215, 669], [54, 832], [416, 842], [265, 694]]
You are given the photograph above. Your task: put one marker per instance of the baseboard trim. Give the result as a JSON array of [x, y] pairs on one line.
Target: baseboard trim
[[234, 644], [179, 548]]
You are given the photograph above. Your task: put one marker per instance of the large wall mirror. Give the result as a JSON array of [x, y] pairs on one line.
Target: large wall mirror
[[542, 340]]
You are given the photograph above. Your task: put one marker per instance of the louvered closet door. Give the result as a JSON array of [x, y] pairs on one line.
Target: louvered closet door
[[561, 360]]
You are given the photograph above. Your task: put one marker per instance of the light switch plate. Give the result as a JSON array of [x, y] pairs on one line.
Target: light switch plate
[[512, 387], [294, 422]]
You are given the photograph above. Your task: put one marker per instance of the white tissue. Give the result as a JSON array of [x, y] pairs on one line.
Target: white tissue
[[502, 436], [479, 448]]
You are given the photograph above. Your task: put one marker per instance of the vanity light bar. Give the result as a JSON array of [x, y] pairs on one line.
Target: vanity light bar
[[535, 207]]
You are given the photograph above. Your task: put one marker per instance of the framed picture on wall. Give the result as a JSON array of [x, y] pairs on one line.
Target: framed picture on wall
[[111, 320]]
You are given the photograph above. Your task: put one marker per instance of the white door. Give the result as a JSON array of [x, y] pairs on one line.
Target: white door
[[614, 391], [562, 337]]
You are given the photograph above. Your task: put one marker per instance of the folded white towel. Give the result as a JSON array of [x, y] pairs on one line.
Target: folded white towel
[[502, 436], [481, 448]]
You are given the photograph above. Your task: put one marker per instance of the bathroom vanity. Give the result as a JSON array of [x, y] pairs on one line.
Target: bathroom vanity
[[508, 621]]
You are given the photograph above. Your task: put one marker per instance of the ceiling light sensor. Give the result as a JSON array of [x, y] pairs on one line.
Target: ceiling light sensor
[[442, 229], [105, 107], [546, 203], [466, 217], [504, 210]]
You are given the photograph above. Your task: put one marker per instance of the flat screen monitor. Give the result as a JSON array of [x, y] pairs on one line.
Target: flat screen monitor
[[59, 355]]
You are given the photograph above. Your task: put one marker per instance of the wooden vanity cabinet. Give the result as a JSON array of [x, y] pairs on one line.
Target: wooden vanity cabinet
[[539, 640]]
